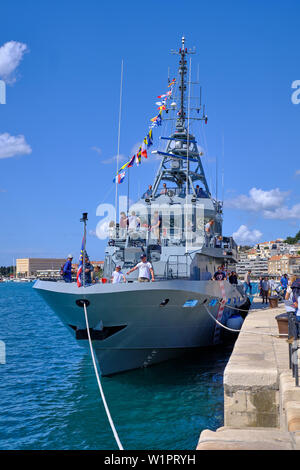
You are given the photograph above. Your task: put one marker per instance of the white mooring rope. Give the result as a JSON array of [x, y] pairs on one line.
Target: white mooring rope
[[99, 382]]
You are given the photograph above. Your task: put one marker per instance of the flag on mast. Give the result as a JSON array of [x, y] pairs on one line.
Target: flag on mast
[[119, 178], [80, 266]]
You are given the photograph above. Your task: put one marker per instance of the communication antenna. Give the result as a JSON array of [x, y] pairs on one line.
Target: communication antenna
[[217, 177], [119, 134], [223, 167]]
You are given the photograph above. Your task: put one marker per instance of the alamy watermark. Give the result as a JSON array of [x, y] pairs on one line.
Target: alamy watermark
[[2, 352], [165, 221], [296, 94], [2, 92]]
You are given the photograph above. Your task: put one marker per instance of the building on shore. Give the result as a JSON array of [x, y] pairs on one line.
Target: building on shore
[[258, 266], [284, 264], [273, 258], [33, 267]]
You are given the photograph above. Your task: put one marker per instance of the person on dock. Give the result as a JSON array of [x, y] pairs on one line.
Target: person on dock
[[67, 269], [296, 297], [265, 286], [118, 276], [247, 282], [145, 270], [260, 286], [284, 282]]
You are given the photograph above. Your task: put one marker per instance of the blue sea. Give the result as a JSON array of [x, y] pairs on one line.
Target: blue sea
[[50, 399]]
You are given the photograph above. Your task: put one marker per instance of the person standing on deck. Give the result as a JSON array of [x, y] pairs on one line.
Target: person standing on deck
[[219, 275], [145, 270], [133, 222], [209, 231], [89, 268], [67, 269], [233, 278], [118, 276]]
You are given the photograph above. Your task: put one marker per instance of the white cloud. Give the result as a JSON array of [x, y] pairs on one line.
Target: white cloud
[[10, 145], [297, 173], [271, 204], [114, 159], [245, 236], [258, 200], [97, 149], [284, 213], [11, 54]]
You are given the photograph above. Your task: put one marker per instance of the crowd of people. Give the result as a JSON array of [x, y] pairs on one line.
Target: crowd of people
[[222, 274], [93, 275], [200, 193], [290, 288]]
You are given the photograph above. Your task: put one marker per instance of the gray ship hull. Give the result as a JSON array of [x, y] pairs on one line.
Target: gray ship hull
[[138, 324]]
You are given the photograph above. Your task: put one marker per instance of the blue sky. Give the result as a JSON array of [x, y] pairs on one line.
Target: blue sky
[[62, 96]]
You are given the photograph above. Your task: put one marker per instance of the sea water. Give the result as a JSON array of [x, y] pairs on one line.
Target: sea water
[[49, 396]]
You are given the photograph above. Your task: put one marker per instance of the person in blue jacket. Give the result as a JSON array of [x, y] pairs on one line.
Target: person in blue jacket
[[67, 269], [284, 281]]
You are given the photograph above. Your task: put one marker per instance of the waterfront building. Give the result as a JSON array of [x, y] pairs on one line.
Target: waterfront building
[[27, 267], [258, 266], [284, 264], [274, 265]]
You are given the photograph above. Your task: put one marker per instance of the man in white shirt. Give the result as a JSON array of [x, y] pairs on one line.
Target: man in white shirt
[[133, 221], [209, 231], [247, 282], [117, 276], [145, 270]]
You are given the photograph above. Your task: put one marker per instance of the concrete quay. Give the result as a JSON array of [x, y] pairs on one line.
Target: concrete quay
[[261, 401]]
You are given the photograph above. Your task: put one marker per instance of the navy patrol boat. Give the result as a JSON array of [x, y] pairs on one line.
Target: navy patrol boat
[[136, 324]]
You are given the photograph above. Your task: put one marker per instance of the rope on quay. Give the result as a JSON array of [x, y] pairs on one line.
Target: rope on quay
[[239, 331], [99, 382]]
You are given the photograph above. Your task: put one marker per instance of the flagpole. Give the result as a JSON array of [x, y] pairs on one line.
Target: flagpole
[[84, 220], [118, 153], [128, 171]]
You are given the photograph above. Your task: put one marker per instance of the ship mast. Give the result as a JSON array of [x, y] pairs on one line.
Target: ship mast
[[181, 149], [182, 86]]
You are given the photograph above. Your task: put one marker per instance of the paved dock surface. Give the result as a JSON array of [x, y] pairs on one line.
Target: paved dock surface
[[261, 401]]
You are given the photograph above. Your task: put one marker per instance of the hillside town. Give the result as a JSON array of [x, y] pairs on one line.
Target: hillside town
[[271, 258]]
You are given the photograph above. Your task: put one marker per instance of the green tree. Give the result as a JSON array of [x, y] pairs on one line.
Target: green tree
[[293, 240]]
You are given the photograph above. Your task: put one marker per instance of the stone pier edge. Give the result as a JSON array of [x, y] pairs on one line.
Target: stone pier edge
[[261, 401]]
